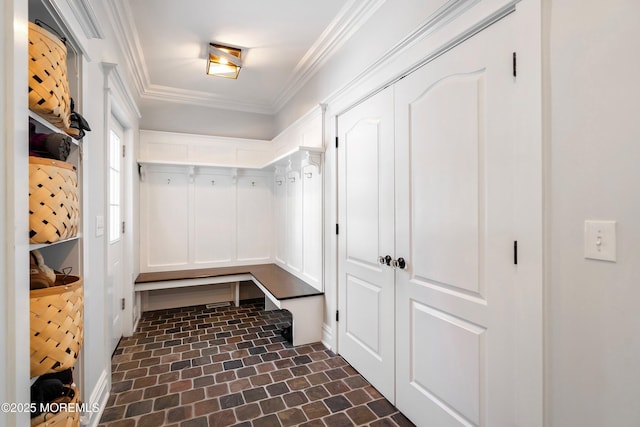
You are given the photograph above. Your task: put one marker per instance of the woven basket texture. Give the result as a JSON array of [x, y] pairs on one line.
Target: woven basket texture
[[54, 208], [62, 418], [48, 82], [56, 325]]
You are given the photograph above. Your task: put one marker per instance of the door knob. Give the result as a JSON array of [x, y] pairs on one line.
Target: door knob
[[385, 260], [399, 263]]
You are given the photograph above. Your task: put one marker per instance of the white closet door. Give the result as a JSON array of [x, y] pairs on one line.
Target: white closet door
[[366, 217], [455, 139]]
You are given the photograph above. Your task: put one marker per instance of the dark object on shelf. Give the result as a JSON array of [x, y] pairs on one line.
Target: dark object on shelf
[[67, 413], [66, 376], [49, 145], [78, 124], [45, 391], [49, 388]]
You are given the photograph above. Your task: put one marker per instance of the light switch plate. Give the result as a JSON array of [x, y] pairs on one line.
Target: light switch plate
[[600, 240]]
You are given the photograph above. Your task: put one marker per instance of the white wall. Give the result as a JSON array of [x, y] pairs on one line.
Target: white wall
[[95, 353], [183, 118], [593, 154], [392, 21]]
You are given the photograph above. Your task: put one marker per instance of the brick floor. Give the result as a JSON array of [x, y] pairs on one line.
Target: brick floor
[[226, 366]]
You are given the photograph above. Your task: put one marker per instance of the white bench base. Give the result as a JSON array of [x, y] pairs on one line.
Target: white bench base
[[185, 283]]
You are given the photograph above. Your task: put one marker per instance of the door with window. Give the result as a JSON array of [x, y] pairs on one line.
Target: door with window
[[439, 316], [115, 225]]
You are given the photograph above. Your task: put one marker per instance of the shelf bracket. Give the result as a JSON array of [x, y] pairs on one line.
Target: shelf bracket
[[311, 159], [279, 171]]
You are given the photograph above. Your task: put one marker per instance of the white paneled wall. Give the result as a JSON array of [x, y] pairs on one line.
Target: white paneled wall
[[214, 218], [204, 217], [312, 225], [293, 229], [254, 231], [165, 230], [298, 221], [213, 202], [280, 218]]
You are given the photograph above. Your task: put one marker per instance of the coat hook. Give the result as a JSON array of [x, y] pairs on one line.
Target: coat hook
[[292, 179], [253, 183], [279, 181], [168, 180], [213, 182], [308, 174]]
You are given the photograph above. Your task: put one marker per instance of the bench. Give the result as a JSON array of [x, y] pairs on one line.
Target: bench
[[282, 290]]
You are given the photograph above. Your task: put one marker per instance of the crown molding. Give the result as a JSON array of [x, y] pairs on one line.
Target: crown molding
[[127, 39], [347, 22], [189, 97], [87, 19], [112, 74]]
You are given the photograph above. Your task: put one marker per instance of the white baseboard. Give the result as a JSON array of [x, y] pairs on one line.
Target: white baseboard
[[97, 402], [327, 337]]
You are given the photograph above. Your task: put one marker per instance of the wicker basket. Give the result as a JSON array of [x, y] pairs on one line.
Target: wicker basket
[[48, 82], [56, 325], [54, 209], [62, 418]]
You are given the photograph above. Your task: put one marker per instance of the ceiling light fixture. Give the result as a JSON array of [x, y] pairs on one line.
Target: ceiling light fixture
[[224, 61]]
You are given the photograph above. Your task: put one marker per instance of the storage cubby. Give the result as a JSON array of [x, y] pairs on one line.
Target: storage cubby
[[64, 255]]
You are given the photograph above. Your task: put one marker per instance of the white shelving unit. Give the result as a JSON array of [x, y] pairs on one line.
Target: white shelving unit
[[75, 158], [64, 255], [305, 155]]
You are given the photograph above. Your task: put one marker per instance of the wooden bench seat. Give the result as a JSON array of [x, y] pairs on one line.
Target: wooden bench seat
[[282, 290]]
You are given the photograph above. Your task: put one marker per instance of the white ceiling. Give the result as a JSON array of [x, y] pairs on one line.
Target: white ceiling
[[284, 42]]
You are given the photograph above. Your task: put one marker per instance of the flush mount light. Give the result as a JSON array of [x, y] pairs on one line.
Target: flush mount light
[[224, 61]]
